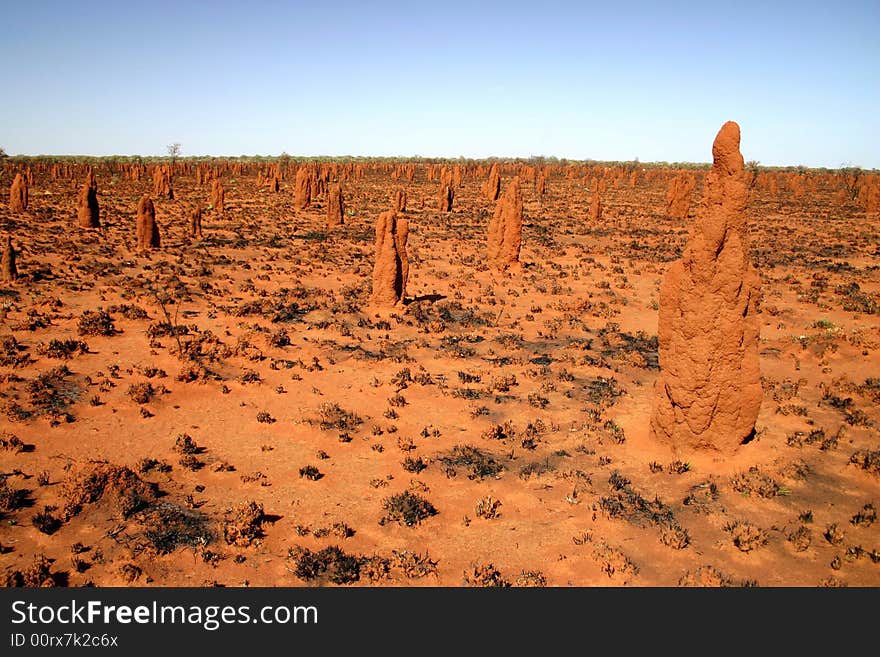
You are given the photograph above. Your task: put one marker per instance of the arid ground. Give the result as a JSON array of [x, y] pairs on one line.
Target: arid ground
[[232, 411]]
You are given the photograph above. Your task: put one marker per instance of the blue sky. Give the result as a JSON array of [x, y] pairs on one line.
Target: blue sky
[[607, 81]]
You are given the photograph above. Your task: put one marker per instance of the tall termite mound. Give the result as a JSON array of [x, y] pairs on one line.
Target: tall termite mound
[[335, 207], [869, 195], [87, 210], [147, 228], [391, 270], [678, 195], [218, 195], [596, 205], [709, 393], [18, 194], [398, 200], [302, 196], [8, 271], [195, 221], [273, 178], [492, 185], [447, 195], [505, 229], [162, 181]]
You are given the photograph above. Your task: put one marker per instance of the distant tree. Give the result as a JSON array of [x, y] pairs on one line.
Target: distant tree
[[632, 165], [851, 175], [3, 153], [174, 150]]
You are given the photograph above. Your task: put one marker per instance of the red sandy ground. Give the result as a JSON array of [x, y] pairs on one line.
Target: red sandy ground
[[581, 313]]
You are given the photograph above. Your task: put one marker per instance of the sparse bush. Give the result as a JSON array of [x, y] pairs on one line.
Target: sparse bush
[[62, 349], [746, 536], [331, 563], [331, 417], [407, 509], [96, 322], [487, 507], [485, 576], [141, 393], [310, 472], [414, 465]]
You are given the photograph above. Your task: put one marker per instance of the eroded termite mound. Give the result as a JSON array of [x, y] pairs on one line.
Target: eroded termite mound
[[709, 392]]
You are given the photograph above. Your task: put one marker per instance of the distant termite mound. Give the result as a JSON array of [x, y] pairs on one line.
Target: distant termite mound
[[195, 221], [87, 210], [447, 195], [398, 199], [335, 207], [492, 185], [147, 228], [162, 181], [678, 195], [18, 194], [869, 195], [302, 196], [391, 269], [218, 195], [273, 179], [456, 176], [505, 229], [709, 392], [596, 205]]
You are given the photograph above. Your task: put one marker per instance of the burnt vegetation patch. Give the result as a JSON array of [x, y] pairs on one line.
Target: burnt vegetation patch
[[12, 352], [867, 460], [478, 463], [637, 350], [168, 526], [52, 392], [753, 481], [12, 499], [37, 575], [625, 502]]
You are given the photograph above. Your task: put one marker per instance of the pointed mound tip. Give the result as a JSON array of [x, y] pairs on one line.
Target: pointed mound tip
[[725, 150]]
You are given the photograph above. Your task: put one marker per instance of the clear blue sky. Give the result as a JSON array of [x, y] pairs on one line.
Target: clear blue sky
[[611, 81]]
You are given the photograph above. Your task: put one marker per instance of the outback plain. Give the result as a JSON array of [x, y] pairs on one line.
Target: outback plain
[[211, 389]]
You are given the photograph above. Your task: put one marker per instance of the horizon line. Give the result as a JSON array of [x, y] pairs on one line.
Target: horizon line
[[427, 158]]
